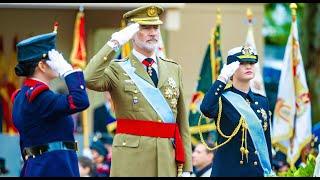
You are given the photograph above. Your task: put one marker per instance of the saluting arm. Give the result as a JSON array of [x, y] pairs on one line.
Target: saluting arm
[[97, 76], [94, 74], [210, 102]]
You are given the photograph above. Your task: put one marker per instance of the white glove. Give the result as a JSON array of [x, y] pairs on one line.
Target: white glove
[[227, 71], [58, 63], [186, 174], [125, 34]]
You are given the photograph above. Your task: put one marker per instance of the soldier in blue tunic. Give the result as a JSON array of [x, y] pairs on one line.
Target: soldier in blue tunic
[[42, 116], [242, 119]]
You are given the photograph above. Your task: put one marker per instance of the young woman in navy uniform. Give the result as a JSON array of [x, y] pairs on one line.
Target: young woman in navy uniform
[[242, 119], [42, 116]]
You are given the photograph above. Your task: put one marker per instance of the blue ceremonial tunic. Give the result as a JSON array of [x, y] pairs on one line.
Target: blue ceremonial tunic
[[227, 158], [42, 116]]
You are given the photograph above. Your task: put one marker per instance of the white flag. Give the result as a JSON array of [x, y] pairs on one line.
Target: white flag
[[256, 84], [292, 115]]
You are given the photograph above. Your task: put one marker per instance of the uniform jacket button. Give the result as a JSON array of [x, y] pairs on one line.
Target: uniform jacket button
[[255, 163]]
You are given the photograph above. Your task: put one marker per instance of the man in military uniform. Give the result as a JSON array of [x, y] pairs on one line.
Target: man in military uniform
[[42, 116], [242, 119], [152, 136]]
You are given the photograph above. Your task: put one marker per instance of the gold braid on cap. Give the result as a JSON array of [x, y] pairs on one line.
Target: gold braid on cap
[[145, 19]]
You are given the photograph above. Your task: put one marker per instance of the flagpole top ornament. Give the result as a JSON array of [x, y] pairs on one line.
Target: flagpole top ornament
[[249, 15], [293, 7], [55, 27], [218, 15], [81, 8]]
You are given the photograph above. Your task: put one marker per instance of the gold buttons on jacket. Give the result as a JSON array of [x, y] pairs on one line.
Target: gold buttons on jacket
[[255, 163], [135, 91], [104, 58], [216, 93], [241, 162]]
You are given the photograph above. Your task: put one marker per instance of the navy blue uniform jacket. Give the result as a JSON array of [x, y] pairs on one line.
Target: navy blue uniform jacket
[[227, 158], [42, 116]]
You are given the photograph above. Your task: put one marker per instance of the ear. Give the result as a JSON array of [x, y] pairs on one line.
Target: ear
[[42, 66]]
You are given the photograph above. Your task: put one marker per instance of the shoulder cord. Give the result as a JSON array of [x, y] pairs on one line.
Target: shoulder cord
[[236, 130]]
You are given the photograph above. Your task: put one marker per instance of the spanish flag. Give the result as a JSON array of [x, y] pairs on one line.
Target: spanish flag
[[7, 88], [78, 53]]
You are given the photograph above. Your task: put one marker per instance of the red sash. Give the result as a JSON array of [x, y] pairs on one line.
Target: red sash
[[153, 129]]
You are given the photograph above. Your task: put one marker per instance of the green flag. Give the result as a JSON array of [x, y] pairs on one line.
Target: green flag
[[211, 66]]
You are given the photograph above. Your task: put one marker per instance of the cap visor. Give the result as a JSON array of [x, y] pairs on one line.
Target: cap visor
[[158, 22]]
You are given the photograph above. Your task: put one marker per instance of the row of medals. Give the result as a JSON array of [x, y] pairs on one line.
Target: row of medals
[[171, 92]]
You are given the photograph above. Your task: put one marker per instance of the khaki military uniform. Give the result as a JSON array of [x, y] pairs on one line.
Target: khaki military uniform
[[141, 155]]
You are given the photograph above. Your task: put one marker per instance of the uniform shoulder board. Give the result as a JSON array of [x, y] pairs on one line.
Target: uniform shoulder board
[[35, 90], [121, 60], [14, 94], [168, 60]]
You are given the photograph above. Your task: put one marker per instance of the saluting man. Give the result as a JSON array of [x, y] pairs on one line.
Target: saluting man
[[152, 136], [242, 119], [42, 116]]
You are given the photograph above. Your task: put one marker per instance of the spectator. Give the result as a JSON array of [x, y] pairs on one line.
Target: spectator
[[99, 154], [86, 167], [202, 160], [104, 118]]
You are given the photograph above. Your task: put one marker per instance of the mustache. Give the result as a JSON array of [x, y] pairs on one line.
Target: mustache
[[153, 39]]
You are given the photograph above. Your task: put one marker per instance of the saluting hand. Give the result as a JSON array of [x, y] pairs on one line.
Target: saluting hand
[[124, 35], [227, 71], [58, 63]]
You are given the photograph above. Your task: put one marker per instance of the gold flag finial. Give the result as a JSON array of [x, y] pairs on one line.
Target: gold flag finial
[[249, 15], [218, 15], [293, 7]]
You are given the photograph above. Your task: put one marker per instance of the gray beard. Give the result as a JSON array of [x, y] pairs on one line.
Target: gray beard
[[147, 46]]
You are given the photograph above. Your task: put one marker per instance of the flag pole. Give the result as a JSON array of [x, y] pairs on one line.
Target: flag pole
[[293, 7], [85, 112], [212, 48]]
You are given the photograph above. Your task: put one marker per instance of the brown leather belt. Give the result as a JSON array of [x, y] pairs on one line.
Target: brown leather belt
[[53, 146]]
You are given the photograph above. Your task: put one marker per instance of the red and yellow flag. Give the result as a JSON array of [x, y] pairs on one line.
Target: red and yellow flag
[[7, 87], [78, 53]]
